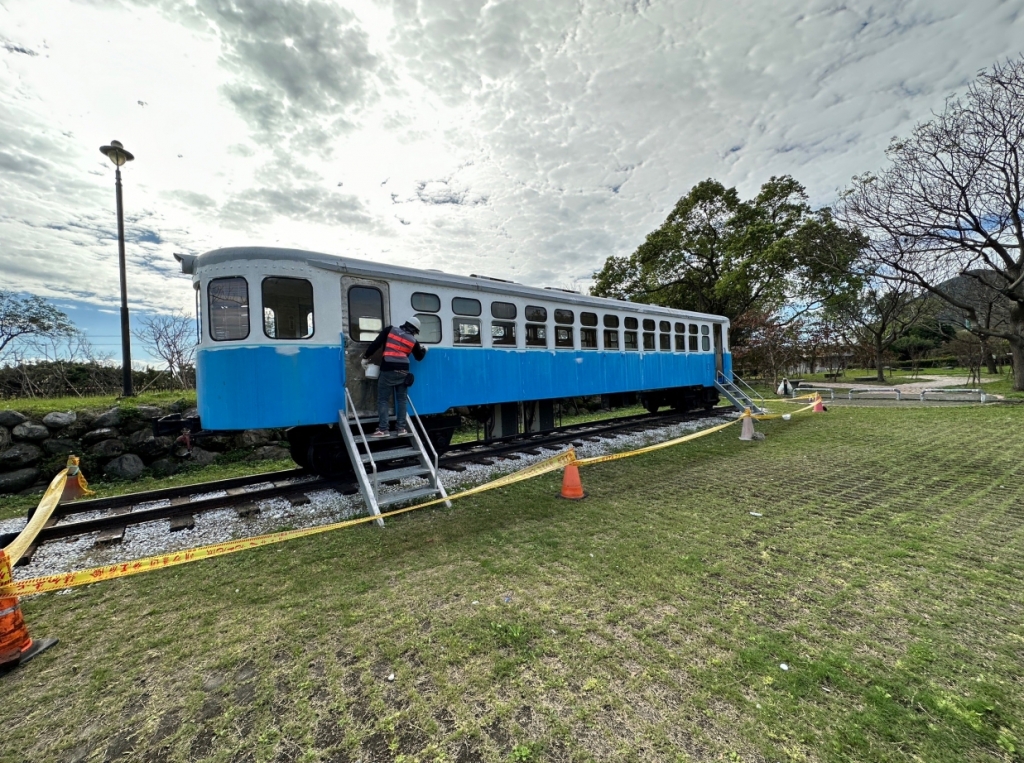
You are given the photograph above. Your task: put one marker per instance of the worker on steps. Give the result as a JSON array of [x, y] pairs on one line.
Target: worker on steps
[[398, 343]]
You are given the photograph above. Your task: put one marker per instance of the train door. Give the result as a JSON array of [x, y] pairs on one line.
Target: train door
[[365, 308], [716, 329]]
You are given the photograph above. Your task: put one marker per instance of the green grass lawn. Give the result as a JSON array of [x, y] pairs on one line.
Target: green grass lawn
[[648, 622], [37, 407]]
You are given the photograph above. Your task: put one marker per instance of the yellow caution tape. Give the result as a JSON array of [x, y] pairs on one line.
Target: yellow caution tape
[[17, 548], [10, 587]]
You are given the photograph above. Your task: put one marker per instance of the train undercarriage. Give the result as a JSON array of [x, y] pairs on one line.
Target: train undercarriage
[[321, 450]]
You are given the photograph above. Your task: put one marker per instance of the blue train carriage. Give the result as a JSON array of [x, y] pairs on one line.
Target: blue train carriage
[[283, 330]]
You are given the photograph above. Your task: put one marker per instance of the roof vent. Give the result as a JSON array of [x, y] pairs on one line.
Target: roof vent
[[490, 278], [567, 291]]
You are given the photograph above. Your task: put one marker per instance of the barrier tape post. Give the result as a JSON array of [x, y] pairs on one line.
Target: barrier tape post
[[747, 430], [16, 646]]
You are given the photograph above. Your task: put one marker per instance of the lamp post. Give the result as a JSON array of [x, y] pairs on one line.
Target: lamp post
[[115, 152]]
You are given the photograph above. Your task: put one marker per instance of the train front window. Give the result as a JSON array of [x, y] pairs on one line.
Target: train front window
[[466, 306], [467, 331], [503, 334], [629, 339], [588, 339], [648, 341], [229, 308], [563, 336], [425, 302], [365, 313], [536, 335], [287, 308], [611, 339], [430, 328]]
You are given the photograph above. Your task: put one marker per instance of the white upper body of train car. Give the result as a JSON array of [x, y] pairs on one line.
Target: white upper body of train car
[[282, 332]]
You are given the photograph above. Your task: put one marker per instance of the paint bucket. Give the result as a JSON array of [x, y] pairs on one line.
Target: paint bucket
[[372, 371]]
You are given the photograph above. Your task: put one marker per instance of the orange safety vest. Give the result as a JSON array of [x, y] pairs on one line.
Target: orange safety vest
[[398, 346]]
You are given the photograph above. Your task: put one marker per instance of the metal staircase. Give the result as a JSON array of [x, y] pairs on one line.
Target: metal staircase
[[739, 393], [379, 461]]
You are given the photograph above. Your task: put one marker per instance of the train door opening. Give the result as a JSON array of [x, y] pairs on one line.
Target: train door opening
[[716, 329], [366, 309]]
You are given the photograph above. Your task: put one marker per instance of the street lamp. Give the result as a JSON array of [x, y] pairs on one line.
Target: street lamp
[[115, 152]]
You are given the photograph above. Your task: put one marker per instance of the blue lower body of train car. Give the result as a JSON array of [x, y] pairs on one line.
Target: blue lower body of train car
[[263, 386]]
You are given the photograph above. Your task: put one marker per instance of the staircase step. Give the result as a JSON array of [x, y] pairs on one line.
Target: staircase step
[[405, 497], [402, 473], [389, 455]]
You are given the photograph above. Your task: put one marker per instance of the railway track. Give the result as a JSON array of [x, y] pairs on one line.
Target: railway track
[[109, 517]]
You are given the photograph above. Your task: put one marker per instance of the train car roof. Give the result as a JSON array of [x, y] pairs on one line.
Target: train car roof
[[369, 269]]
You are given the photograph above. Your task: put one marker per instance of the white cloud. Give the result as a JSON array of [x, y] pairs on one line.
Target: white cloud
[[516, 138]]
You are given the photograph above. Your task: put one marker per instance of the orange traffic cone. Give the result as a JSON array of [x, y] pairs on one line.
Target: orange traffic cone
[[819, 406], [16, 646], [572, 488], [747, 433], [76, 485]]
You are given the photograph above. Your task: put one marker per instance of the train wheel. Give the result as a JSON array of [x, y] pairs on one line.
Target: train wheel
[[298, 444], [327, 455]]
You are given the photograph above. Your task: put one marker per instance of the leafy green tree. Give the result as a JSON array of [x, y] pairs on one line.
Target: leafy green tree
[[30, 318], [719, 254]]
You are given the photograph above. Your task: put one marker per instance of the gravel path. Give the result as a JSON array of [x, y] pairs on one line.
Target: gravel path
[[325, 507], [910, 388]]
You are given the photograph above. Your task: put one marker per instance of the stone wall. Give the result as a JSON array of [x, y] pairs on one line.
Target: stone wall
[[114, 444]]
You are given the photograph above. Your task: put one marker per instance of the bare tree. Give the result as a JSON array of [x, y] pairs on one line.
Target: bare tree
[[29, 318], [952, 200], [171, 338]]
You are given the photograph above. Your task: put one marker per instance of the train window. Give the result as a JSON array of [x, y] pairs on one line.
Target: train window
[[503, 310], [536, 335], [611, 339], [665, 342], [648, 340], [563, 336], [588, 339], [536, 314], [680, 342], [680, 328], [632, 323], [693, 343], [648, 324], [705, 330], [629, 338], [588, 319], [287, 308], [565, 317], [466, 306], [365, 313], [664, 326], [430, 328], [693, 328], [611, 321], [467, 331], [705, 343], [427, 303], [503, 334], [229, 308]]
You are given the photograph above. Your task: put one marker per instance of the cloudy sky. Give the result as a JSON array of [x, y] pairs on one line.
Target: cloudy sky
[[524, 139]]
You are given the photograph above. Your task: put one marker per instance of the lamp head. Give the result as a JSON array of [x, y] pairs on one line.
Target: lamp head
[[115, 152]]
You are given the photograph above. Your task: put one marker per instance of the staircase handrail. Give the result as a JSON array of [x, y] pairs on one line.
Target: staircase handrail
[[416, 417], [351, 406], [749, 391]]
